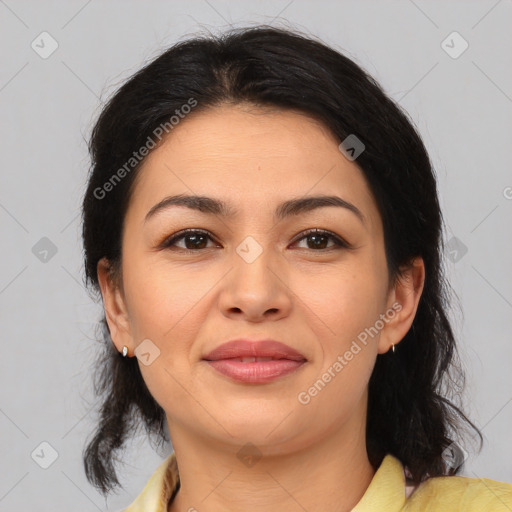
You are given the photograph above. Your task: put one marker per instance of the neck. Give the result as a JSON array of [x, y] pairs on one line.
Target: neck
[[331, 474]]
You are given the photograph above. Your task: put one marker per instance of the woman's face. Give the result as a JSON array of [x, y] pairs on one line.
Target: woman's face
[[258, 276]]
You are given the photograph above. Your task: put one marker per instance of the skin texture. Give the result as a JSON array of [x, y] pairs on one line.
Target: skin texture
[[316, 300]]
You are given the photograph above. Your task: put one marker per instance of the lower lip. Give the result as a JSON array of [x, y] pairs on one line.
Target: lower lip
[[256, 372]]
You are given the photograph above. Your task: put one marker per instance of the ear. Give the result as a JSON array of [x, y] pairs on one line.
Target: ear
[[115, 307], [403, 299]]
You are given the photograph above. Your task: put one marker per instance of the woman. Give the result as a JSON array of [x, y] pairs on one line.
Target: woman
[[263, 224]]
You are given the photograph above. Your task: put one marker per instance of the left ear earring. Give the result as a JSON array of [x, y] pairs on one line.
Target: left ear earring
[[393, 348]]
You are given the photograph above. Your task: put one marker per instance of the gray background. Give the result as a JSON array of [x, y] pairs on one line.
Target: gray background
[[461, 105]]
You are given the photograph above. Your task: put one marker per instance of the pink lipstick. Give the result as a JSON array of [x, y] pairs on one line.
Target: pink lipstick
[[254, 362]]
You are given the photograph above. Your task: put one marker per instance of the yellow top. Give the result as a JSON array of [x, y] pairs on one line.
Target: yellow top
[[387, 492]]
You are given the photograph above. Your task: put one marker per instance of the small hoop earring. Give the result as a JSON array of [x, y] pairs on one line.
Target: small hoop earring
[[393, 348], [125, 351]]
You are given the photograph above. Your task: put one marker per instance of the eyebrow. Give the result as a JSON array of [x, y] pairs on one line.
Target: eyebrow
[[292, 207]]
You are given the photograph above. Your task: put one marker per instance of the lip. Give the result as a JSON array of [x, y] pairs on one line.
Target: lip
[[246, 348], [226, 359]]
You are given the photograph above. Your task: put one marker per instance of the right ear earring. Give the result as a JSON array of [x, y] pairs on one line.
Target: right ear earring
[[125, 350], [393, 348]]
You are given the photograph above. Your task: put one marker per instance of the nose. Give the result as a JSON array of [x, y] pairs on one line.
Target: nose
[[256, 290]]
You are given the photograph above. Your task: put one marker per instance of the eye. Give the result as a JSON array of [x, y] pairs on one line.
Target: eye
[[319, 238], [197, 239], [193, 239]]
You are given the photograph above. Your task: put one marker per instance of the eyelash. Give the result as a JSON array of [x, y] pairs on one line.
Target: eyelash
[[338, 241]]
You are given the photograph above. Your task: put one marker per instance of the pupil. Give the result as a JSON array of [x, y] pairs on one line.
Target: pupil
[[194, 239], [316, 240]]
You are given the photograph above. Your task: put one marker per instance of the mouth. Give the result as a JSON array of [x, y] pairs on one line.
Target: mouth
[[255, 362], [252, 359]]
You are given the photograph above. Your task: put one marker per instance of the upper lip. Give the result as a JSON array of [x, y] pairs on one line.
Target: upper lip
[[246, 348]]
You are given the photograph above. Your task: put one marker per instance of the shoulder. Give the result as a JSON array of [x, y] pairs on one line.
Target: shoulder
[[455, 493]]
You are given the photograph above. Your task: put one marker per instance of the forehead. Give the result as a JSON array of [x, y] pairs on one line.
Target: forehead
[[231, 132], [250, 156]]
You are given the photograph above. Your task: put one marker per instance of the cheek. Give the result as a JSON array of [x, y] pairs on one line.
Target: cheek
[[161, 301], [345, 307], [164, 307], [346, 301], [347, 347]]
